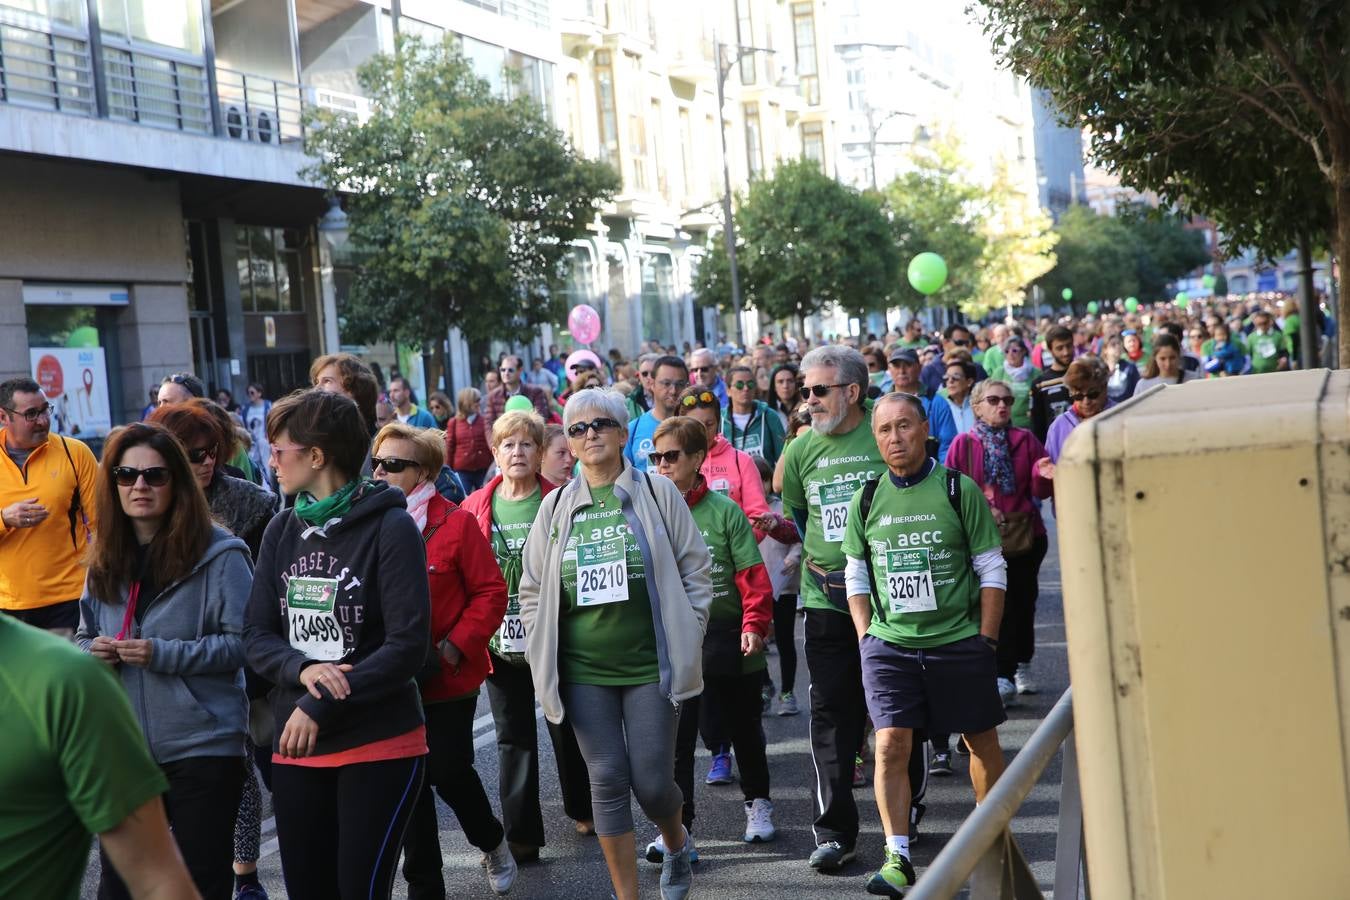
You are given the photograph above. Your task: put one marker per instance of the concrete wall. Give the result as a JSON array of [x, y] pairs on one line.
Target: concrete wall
[[13, 330], [153, 338], [254, 37]]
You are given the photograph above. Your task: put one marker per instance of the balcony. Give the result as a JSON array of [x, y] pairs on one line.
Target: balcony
[[581, 24]]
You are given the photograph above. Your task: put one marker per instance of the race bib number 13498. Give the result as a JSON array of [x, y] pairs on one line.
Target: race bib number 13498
[[314, 627]]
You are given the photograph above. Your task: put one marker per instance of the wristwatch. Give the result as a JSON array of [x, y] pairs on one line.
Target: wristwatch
[[992, 642]]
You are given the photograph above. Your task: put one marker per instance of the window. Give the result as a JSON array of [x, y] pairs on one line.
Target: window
[[658, 298], [487, 61], [804, 41], [754, 144], [745, 37], [62, 12], [605, 109], [856, 77], [637, 126], [270, 276], [813, 142], [686, 152], [574, 110], [714, 176], [536, 80], [168, 23], [662, 180]]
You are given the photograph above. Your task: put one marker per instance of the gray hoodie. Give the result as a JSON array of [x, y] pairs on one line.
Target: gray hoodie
[[190, 700]]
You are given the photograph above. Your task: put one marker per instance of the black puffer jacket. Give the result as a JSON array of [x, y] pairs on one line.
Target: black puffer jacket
[[241, 507]]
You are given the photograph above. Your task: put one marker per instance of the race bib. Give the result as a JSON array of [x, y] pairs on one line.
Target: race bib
[[909, 581], [314, 628], [512, 635], [602, 573], [834, 500], [1266, 349], [721, 485]]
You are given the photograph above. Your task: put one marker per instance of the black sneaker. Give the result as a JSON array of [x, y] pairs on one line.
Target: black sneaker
[[916, 812], [831, 856], [941, 764]]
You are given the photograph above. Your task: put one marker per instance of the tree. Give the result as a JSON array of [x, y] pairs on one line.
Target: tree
[[1165, 249], [1097, 259], [462, 203], [1240, 110], [1018, 249], [805, 241]]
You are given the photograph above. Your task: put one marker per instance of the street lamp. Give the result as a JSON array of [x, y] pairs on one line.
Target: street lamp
[[729, 225], [873, 128]]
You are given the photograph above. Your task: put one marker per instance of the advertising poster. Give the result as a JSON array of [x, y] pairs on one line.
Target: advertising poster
[[75, 380]]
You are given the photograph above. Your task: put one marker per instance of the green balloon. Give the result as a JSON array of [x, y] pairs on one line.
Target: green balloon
[[1183, 298], [1131, 304], [927, 273], [84, 336], [1092, 307], [1208, 281], [1067, 293], [519, 403]]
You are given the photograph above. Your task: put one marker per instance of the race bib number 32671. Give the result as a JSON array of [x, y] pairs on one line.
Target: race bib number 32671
[[909, 581], [314, 627]]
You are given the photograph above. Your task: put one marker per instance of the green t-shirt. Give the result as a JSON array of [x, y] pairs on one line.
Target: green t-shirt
[[731, 544], [921, 559], [73, 761], [820, 475], [1265, 349], [905, 344], [1021, 391], [606, 634], [511, 521], [1291, 326], [992, 359]]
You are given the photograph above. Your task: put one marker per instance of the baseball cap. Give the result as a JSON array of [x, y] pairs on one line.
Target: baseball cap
[[907, 356]]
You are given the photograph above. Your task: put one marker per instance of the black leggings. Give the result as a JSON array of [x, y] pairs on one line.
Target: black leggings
[[785, 636], [737, 696], [1017, 633], [340, 828]]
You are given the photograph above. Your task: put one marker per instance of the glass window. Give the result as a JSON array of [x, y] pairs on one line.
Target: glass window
[[263, 267], [605, 108], [658, 298], [487, 61], [245, 270], [745, 37], [686, 151], [813, 142], [637, 125], [63, 12], [662, 179], [754, 145], [536, 79], [804, 37], [168, 23]]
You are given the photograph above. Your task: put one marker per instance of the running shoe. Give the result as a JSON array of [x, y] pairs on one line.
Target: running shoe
[[720, 772], [501, 868], [766, 699], [677, 874], [656, 850], [1007, 692], [1022, 678], [787, 704], [759, 821], [859, 772], [251, 892], [831, 856], [895, 877], [941, 764]]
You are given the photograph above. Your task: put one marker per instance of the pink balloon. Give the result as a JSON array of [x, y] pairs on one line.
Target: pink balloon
[[584, 323], [581, 356]]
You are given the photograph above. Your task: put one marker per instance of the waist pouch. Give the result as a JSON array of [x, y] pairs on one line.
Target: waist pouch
[[831, 585]]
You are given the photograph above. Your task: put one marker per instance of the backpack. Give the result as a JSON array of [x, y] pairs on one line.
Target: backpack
[[869, 491]]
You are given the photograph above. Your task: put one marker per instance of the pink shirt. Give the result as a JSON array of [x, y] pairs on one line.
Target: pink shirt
[[732, 472]]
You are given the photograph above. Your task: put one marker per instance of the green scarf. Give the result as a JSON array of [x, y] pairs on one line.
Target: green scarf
[[334, 506]]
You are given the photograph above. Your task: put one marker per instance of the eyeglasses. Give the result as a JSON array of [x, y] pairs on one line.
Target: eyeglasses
[[819, 390], [959, 342], [31, 415], [668, 384], [392, 464], [646, 374], [998, 400], [742, 385], [599, 426], [669, 457], [1087, 395], [198, 455], [275, 454], [953, 379], [700, 369], [507, 370], [155, 476], [702, 398]]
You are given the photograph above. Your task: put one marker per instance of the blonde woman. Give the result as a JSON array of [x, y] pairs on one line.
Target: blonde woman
[[466, 442]]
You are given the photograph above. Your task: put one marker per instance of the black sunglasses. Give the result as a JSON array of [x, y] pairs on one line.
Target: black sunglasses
[[392, 464], [31, 415], [155, 476], [599, 426], [670, 457], [820, 390], [697, 369], [198, 455], [1086, 395]]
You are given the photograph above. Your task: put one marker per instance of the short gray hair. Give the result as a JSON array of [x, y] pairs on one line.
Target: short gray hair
[[605, 401], [700, 351], [648, 358], [981, 388], [849, 363]]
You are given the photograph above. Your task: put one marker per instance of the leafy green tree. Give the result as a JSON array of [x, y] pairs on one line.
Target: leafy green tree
[[462, 203], [1097, 259], [805, 241], [1018, 248], [1165, 249], [1240, 110]]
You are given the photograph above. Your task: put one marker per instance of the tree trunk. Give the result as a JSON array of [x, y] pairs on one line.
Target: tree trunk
[[1308, 332], [1340, 186]]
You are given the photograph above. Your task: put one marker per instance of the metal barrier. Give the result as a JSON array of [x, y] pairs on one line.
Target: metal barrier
[[984, 852], [153, 88], [264, 110], [43, 68]]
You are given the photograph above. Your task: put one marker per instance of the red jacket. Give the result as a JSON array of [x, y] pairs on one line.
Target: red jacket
[[468, 598], [752, 583], [479, 503], [466, 444]]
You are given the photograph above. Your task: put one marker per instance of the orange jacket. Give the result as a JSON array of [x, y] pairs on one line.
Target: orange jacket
[[43, 565]]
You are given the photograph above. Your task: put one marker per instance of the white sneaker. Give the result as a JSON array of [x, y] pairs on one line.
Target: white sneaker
[[1007, 692], [759, 821], [501, 868], [1025, 683], [656, 850]]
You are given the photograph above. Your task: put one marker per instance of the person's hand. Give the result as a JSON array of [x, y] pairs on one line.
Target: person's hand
[[134, 651], [299, 735], [24, 514], [751, 644], [999, 517], [766, 522], [104, 648], [333, 678], [1045, 468], [450, 653]]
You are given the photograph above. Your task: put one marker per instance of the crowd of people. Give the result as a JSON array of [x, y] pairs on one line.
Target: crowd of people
[[309, 593]]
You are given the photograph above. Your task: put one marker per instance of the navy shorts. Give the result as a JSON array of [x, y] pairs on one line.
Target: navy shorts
[[952, 689]]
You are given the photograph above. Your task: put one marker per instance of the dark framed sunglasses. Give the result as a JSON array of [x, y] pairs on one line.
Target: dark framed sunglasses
[[818, 390], [392, 464], [698, 369], [960, 342], [702, 398], [598, 425], [742, 385], [998, 400], [32, 415], [669, 457], [198, 455], [507, 370], [155, 476], [1087, 395]]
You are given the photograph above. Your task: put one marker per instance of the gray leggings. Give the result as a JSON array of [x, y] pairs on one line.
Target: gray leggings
[[627, 737]]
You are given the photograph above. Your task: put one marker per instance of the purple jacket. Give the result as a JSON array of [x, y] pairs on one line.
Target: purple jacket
[[1060, 428], [967, 456]]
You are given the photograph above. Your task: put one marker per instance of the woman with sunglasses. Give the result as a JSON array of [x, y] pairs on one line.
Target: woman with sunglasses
[[750, 425], [1018, 373], [339, 620], [164, 605], [1001, 459], [614, 599], [1086, 380], [505, 508], [733, 648], [468, 599], [957, 381], [728, 471]]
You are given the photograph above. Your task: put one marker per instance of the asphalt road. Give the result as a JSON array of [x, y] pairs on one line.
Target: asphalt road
[[572, 866]]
